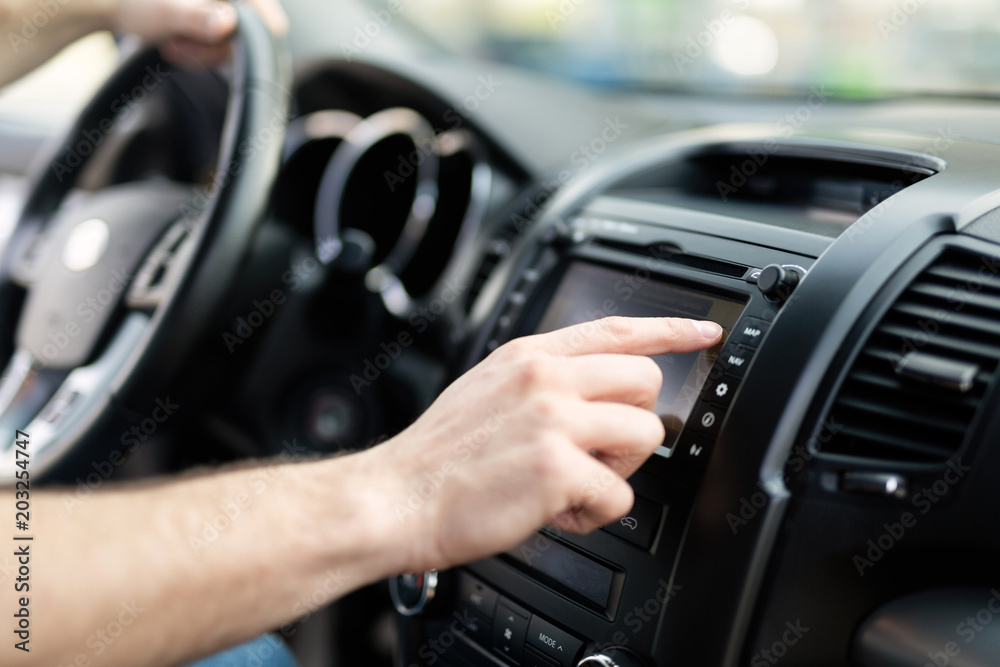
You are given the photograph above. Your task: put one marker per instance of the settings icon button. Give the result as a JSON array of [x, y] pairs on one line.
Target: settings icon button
[[721, 389]]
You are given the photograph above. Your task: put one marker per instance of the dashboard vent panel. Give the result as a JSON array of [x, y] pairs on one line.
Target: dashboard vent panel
[[949, 315], [506, 228]]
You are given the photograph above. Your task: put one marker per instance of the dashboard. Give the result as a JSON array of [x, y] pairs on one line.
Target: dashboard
[[824, 495]]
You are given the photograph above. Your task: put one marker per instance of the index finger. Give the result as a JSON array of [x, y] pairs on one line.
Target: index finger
[[647, 336]]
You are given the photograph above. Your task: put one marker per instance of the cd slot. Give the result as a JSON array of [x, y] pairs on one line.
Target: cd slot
[[673, 254]]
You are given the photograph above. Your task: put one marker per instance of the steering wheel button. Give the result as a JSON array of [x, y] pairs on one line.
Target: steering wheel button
[[59, 406]]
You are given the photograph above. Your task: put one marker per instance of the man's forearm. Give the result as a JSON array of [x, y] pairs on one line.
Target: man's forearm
[[166, 573], [35, 30]]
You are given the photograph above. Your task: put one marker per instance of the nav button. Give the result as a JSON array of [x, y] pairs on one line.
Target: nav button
[[553, 642], [735, 359]]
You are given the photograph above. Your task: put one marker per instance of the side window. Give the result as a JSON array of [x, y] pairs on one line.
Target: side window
[[39, 106], [53, 93]]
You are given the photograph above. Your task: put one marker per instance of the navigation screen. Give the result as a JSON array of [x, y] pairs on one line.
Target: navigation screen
[[588, 292]]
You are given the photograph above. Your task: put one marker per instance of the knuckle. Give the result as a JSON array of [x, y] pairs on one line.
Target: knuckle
[[650, 378], [513, 349], [653, 430], [546, 411], [676, 327], [618, 328], [548, 466], [533, 373]]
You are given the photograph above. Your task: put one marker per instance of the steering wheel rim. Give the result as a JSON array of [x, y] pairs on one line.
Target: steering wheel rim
[[137, 356]]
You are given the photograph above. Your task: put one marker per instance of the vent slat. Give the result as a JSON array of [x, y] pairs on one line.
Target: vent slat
[[884, 385], [890, 440], [952, 318], [952, 310], [984, 275], [913, 338], [948, 295], [899, 413]]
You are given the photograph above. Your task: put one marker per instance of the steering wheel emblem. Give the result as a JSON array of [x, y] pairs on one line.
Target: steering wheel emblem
[[86, 244]]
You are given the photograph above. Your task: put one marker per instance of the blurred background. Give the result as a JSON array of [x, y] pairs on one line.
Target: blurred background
[[750, 49], [858, 48]]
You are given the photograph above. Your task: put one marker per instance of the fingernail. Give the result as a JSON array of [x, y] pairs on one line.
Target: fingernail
[[709, 330]]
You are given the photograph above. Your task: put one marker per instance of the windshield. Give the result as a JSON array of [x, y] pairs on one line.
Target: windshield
[[860, 48]]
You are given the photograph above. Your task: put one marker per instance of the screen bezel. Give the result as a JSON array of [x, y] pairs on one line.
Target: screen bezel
[[539, 300], [538, 304]]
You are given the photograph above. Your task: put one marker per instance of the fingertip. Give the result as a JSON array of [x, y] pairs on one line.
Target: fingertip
[[710, 331]]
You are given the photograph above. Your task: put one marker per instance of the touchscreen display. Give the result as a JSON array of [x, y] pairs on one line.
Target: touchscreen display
[[588, 292]]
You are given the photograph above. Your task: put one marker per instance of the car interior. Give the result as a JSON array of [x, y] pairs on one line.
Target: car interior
[[293, 254]]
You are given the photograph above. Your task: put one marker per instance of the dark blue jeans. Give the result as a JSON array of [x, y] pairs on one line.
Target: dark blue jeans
[[265, 651]]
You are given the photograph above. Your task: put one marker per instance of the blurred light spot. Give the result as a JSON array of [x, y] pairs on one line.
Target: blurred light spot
[[747, 46]]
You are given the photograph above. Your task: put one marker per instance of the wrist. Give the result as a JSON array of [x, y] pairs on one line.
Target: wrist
[[353, 508], [96, 14]]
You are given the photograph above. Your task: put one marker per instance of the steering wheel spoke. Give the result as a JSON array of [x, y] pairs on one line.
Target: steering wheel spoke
[[53, 406], [165, 264]]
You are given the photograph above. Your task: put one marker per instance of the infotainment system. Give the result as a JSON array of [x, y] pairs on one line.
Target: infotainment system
[[590, 291]]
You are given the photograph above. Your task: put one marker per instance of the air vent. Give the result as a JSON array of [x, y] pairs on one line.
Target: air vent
[[917, 383], [510, 224], [496, 252]]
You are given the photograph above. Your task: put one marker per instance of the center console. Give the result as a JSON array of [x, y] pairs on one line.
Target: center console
[[632, 249], [600, 266]]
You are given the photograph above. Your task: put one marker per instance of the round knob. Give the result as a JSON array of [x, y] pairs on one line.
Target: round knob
[[777, 282], [611, 657], [411, 592]]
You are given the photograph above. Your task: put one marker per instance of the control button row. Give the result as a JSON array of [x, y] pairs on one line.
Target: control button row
[[724, 379], [513, 628], [694, 447], [513, 307]]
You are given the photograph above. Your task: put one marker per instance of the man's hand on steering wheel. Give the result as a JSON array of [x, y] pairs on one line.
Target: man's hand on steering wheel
[[191, 31]]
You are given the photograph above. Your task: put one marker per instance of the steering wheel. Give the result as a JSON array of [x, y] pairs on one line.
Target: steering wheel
[[102, 294]]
